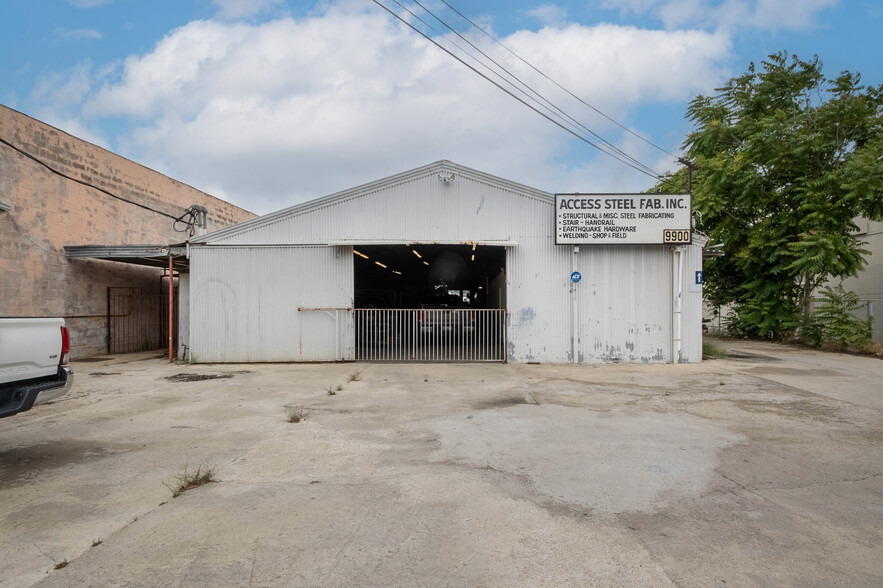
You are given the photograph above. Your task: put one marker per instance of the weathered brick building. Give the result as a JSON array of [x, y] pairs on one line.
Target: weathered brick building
[[41, 212]]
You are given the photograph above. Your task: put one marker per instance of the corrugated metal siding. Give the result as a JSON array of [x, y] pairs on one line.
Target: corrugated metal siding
[[625, 300], [244, 304], [421, 209], [624, 304], [538, 291]]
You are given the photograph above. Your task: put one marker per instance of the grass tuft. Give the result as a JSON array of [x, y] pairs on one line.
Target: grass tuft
[[62, 564], [296, 414], [190, 478]]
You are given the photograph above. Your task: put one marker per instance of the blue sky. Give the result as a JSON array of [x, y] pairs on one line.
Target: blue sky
[[268, 103]]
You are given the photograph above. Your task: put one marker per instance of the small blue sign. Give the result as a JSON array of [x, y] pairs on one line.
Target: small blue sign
[[699, 278], [576, 277]]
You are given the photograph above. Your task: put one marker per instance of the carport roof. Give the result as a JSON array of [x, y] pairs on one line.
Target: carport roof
[[147, 255]]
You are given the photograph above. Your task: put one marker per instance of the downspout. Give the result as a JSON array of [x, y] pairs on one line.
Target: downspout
[[678, 315], [574, 301]]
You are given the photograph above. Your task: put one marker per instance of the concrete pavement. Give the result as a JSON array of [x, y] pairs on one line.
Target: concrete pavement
[[451, 475]]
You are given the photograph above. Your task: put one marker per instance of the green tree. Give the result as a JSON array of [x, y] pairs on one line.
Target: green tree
[[787, 159]]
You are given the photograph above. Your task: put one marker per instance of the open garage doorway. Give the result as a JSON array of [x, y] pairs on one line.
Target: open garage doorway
[[429, 302]]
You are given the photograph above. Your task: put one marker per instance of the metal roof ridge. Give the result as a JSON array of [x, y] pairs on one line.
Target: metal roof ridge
[[442, 164]]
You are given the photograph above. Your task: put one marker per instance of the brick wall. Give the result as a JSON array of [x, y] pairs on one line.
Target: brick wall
[[49, 211]]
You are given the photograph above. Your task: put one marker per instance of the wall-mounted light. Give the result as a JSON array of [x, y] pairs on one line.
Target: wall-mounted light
[[360, 254]]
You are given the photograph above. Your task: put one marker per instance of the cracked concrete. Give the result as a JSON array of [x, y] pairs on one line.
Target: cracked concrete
[[764, 469]]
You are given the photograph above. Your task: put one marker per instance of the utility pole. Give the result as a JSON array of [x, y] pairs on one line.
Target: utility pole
[[690, 167]]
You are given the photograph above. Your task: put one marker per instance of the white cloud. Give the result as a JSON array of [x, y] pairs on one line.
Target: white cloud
[[58, 92], [549, 14], [267, 115], [233, 9], [79, 34], [729, 14]]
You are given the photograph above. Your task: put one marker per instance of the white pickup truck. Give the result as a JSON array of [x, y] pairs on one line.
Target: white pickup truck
[[33, 362]]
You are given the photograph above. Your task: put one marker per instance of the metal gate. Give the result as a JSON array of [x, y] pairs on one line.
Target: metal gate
[[138, 321], [430, 334]]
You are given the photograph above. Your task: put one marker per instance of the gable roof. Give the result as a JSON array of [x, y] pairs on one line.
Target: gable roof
[[442, 167]]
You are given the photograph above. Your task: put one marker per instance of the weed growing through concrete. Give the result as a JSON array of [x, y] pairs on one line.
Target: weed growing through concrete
[[339, 388], [355, 376], [62, 564], [709, 349], [331, 391], [189, 479], [96, 542], [295, 414]]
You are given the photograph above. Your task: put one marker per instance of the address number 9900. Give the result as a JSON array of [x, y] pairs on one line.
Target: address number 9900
[[676, 236]]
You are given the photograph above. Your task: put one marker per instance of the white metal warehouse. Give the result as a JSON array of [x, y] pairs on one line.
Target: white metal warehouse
[[347, 277]]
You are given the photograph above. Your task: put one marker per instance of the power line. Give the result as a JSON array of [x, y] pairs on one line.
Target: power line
[[535, 92], [571, 94], [87, 184], [511, 94]]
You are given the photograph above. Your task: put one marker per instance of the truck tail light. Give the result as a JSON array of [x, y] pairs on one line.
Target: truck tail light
[[65, 346]]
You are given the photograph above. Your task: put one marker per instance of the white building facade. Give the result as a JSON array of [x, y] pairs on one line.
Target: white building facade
[[287, 286]]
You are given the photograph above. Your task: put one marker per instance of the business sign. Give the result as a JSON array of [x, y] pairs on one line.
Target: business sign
[[622, 219]]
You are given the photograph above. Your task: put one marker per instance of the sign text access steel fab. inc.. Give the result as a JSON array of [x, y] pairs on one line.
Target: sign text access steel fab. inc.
[[622, 219]]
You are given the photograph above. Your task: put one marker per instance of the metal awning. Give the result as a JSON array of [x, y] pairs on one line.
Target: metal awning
[[147, 255], [481, 242]]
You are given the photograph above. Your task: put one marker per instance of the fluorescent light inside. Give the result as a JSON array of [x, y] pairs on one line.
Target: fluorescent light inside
[[395, 272], [473, 257], [360, 254], [417, 254], [481, 287], [474, 245], [425, 263], [380, 264]]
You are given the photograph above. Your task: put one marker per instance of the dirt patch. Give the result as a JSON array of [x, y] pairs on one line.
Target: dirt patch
[[786, 371], [196, 377], [795, 408], [501, 403]]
